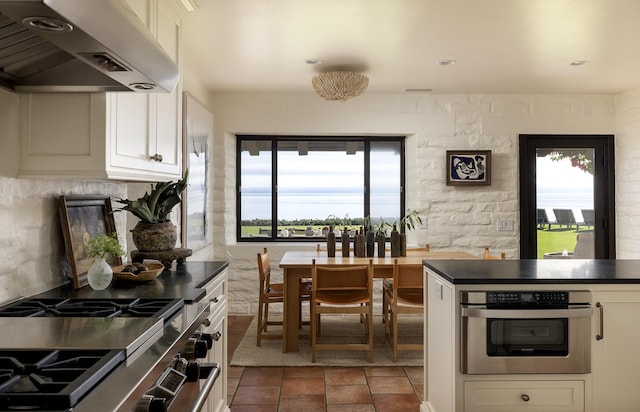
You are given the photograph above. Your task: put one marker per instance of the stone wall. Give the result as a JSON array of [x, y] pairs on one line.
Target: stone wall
[[459, 218]]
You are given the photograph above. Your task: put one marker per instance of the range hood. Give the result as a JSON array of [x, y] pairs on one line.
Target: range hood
[[80, 46]]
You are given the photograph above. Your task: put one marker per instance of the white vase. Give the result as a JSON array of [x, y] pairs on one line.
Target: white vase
[[100, 274]]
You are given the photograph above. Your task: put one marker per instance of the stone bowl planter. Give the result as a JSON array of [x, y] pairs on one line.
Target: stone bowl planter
[[154, 237]]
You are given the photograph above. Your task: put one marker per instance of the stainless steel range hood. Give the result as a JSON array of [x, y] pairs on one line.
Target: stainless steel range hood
[[79, 46]]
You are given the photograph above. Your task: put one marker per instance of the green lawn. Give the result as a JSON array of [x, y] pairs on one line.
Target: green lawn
[[557, 239]]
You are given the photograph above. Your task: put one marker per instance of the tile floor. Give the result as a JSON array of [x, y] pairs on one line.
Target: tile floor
[[362, 389]]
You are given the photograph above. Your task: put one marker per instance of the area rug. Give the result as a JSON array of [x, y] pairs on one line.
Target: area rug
[[337, 328]]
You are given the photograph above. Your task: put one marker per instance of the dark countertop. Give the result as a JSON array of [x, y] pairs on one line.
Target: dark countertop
[[184, 281], [181, 281], [536, 271]]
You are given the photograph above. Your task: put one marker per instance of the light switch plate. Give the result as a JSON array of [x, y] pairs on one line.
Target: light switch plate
[[505, 225], [424, 223]]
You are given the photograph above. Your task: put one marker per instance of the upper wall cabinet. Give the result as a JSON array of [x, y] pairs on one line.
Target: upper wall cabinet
[[119, 136]]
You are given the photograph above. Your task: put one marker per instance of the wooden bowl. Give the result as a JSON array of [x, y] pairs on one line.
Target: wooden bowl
[[153, 271]]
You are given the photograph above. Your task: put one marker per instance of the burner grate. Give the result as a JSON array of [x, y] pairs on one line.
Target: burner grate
[[112, 308], [42, 380]]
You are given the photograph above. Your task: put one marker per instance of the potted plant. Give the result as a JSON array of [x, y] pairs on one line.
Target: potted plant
[[408, 222], [100, 273], [380, 230], [155, 232]]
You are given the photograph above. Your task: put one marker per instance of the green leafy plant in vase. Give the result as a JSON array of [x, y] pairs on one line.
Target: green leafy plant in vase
[[155, 232], [408, 222], [380, 230], [100, 273]]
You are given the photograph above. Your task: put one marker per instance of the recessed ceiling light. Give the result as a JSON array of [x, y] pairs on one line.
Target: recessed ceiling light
[[446, 62], [313, 61], [579, 62]]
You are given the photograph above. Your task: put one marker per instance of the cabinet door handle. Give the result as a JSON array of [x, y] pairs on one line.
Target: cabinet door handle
[[215, 300], [525, 397], [600, 336], [216, 335], [157, 157]]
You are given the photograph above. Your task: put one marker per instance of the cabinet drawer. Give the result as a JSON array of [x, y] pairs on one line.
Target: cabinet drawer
[[539, 396], [216, 293]]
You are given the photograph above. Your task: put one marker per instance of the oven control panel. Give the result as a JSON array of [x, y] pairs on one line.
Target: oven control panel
[[528, 298]]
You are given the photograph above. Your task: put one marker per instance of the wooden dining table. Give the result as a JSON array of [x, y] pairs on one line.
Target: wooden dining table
[[296, 265]]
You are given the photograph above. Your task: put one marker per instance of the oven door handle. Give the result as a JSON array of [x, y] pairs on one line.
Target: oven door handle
[[581, 312], [206, 388]]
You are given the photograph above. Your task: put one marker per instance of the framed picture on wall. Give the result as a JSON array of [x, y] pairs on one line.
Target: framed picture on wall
[[468, 167], [83, 218], [197, 140]]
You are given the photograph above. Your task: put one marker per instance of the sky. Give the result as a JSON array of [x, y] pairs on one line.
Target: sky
[[562, 186], [328, 185], [559, 185], [560, 174]]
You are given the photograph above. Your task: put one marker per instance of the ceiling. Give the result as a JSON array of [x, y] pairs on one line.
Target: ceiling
[[499, 46]]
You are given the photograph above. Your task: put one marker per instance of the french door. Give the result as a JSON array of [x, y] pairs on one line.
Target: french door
[[567, 197]]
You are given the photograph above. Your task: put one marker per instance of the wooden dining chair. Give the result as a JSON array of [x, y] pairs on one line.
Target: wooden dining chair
[[342, 290], [387, 283], [487, 256], [405, 295], [273, 293]]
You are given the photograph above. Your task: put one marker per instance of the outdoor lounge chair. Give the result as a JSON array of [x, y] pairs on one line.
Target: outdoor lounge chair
[[589, 217], [565, 217], [543, 219]]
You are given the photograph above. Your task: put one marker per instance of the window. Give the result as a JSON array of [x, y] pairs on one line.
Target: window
[[294, 188]]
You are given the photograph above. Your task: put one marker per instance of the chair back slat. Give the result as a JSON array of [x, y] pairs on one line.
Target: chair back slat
[[407, 276], [341, 278], [264, 270]]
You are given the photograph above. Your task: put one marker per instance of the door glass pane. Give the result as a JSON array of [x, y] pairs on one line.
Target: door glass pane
[[255, 188], [564, 202], [319, 183], [385, 182]]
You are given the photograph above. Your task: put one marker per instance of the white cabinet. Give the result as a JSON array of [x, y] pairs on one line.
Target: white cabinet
[[615, 361], [217, 327], [521, 396], [119, 136], [440, 363]]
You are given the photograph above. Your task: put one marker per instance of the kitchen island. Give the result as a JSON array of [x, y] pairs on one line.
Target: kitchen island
[[196, 289], [609, 337]]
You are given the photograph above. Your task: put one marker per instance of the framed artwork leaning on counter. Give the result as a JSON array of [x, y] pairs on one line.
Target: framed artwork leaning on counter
[[83, 218]]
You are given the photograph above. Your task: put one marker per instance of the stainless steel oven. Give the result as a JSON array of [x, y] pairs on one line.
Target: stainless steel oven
[[182, 379], [526, 332]]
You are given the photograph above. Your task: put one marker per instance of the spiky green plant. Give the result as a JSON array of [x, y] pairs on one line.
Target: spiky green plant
[[155, 206], [380, 228], [410, 221]]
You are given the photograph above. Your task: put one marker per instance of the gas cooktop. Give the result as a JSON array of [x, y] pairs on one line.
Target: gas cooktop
[[130, 324], [108, 308], [51, 380]]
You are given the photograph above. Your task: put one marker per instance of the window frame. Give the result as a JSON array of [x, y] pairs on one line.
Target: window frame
[[274, 172]]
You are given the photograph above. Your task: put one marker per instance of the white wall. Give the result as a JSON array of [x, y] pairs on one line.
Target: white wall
[[458, 217]]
